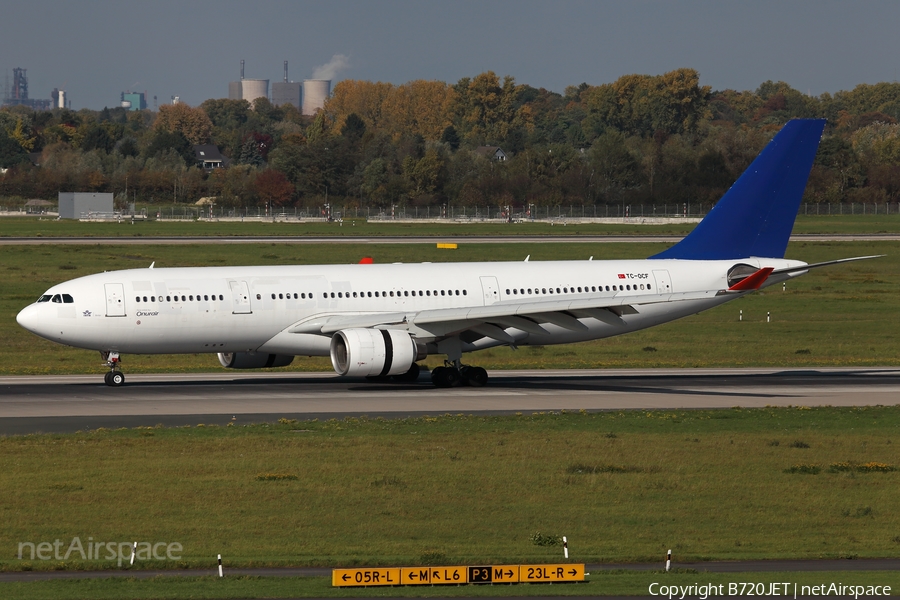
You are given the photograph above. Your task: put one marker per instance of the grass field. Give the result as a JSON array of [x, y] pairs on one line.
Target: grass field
[[607, 584], [50, 227], [841, 315], [622, 486]]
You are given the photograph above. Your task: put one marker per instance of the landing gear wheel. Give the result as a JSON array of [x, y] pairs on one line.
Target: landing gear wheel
[[445, 377], [474, 376], [114, 378]]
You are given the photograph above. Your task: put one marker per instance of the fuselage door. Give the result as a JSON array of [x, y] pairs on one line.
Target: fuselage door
[[491, 290], [115, 299], [663, 282], [240, 297]]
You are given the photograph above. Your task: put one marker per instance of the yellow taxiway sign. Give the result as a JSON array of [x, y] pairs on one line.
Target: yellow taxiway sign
[[458, 575]]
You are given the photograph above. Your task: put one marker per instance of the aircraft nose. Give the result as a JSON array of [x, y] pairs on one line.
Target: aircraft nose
[[28, 318]]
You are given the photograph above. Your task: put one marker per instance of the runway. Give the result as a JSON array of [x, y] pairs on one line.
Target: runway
[[30, 404]]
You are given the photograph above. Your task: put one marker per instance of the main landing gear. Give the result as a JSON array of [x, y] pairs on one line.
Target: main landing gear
[[115, 377], [454, 374]]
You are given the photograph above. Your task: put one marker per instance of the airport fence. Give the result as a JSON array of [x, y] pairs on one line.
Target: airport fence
[[450, 212]]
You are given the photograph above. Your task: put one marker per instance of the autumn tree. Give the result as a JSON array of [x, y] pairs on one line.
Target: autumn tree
[[192, 123], [364, 98], [11, 153], [643, 104], [273, 188], [485, 109]]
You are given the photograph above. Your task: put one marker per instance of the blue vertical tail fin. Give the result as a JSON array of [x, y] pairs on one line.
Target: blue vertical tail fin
[[756, 215]]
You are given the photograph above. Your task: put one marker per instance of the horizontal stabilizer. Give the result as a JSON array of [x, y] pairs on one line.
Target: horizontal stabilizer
[[824, 264]]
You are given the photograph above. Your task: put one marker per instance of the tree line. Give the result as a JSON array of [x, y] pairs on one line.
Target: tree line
[[643, 139]]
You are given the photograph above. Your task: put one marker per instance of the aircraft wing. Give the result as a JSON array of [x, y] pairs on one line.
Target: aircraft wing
[[492, 320]]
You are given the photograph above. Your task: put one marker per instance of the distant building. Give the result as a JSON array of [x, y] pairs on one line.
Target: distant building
[[75, 205], [235, 91], [134, 100], [17, 95], [208, 157], [38, 207], [492, 152], [286, 92]]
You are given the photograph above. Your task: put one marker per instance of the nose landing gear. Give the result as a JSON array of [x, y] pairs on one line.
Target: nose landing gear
[[115, 377]]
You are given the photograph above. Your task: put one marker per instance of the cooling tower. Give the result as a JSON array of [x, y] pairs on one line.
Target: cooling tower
[[315, 92], [251, 89]]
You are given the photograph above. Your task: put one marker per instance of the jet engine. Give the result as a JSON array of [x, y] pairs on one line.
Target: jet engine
[[374, 352], [254, 360]]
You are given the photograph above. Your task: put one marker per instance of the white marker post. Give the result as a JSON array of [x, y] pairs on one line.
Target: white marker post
[[133, 552], [565, 547], [741, 317], [768, 317], [220, 566], [668, 560]]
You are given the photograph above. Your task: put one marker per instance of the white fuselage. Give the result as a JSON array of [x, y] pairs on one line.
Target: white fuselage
[[276, 309]]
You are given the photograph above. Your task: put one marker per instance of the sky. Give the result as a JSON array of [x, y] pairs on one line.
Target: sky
[[96, 49]]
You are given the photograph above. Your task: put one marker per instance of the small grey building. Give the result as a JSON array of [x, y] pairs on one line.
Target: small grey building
[[492, 152], [74, 205]]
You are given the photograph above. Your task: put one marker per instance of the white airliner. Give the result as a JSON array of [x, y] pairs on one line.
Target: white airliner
[[376, 321]]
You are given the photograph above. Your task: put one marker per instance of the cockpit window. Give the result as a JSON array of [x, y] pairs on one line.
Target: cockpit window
[[45, 298], [67, 299], [57, 298]]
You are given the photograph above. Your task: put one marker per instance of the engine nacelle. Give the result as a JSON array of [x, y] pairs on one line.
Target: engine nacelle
[[373, 352], [254, 360]]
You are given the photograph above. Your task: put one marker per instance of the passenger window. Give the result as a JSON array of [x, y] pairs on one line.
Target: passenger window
[[168, 298], [648, 286], [137, 298], [152, 298], [442, 292], [191, 298], [464, 292], [258, 297], [273, 296], [221, 297], [145, 298]]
